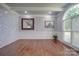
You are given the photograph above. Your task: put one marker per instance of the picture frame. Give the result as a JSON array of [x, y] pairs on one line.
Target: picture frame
[[49, 24], [27, 23]]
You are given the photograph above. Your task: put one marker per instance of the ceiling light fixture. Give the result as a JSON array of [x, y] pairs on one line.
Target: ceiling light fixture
[[48, 17], [5, 12], [50, 13], [25, 12]]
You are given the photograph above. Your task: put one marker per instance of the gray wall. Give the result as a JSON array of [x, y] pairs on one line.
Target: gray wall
[[10, 29], [59, 28], [59, 21], [39, 32]]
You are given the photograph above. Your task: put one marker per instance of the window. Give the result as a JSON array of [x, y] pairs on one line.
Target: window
[[71, 26], [67, 25], [71, 12]]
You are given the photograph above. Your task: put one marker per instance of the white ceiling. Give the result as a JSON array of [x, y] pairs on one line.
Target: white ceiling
[[36, 8], [36, 4]]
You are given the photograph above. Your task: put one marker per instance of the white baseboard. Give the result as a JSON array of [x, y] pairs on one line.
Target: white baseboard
[[77, 49], [3, 43]]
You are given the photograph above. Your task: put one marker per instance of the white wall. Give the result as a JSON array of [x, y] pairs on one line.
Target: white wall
[[39, 32], [59, 25], [8, 28], [59, 22]]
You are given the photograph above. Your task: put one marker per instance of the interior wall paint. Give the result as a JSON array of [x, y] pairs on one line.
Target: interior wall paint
[[39, 32], [59, 22], [8, 28]]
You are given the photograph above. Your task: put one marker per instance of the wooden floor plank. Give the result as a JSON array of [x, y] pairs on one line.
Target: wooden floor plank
[[37, 48]]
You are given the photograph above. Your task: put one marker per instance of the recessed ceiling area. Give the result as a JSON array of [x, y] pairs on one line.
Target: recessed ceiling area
[[36, 8]]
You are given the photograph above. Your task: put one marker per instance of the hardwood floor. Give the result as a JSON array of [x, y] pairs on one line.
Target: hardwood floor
[[37, 48]]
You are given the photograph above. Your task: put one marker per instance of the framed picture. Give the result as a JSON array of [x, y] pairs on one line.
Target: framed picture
[[49, 24], [27, 23]]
